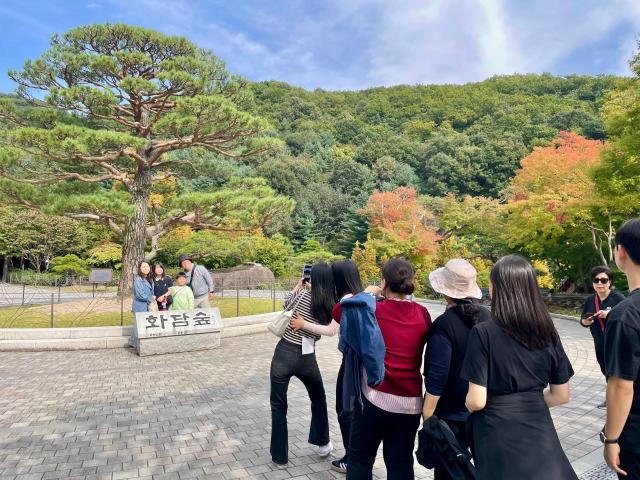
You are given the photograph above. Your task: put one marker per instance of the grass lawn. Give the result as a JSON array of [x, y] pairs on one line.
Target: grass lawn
[[40, 316]]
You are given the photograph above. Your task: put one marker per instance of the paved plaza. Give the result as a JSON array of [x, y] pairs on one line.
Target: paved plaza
[[108, 414]]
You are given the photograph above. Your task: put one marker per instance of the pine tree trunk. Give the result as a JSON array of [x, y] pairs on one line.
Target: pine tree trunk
[[135, 236]]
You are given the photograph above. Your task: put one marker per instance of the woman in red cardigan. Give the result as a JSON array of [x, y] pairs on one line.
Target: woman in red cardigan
[[391, 412]]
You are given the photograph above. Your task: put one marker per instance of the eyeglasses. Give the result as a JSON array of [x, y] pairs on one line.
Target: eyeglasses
[[601, 280]]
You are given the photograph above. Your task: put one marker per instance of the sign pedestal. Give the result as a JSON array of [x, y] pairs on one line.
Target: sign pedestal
[[176, 331]]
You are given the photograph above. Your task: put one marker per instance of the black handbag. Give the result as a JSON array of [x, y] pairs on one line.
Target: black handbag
[[437, 445]]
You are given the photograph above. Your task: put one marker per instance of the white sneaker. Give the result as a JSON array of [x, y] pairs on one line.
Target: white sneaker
[[325, 450]]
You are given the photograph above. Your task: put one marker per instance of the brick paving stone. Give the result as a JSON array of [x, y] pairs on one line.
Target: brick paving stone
[[109, 414], [600, 472]]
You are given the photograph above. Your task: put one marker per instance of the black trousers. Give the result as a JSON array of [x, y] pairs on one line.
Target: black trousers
[[396, 432], [288, 362], [459, 429], [344, 418], [600, 356], [630, 463]]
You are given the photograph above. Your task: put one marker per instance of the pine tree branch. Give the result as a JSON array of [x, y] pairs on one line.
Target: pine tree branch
[[58, 177], [104, 220]]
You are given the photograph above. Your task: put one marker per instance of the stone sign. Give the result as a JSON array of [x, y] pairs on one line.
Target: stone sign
[[175, 331]]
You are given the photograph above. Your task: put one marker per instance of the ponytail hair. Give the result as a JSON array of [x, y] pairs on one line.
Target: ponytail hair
[[399, 276]]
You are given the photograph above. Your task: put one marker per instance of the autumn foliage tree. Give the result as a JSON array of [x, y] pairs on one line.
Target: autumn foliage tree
[[111, 105], [548, 213], [400, 225]]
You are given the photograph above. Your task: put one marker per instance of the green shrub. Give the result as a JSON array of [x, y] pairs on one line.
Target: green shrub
[[69, 265]]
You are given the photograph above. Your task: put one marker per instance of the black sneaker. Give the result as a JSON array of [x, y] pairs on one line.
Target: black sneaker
[[339, 465]]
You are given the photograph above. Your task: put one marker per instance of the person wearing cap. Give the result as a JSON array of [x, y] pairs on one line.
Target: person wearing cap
[[446, 391], [200, 281]]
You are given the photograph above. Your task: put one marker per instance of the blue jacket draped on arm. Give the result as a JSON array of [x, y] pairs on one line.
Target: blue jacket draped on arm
[[362, 344]]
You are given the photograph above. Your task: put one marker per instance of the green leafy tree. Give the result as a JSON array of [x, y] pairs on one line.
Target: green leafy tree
[[106, 255], [69, 265], [272, 253], [617, 177], [310, 251], [118, 100]]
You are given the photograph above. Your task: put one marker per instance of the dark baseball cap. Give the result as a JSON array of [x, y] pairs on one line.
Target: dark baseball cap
[[182, 258]]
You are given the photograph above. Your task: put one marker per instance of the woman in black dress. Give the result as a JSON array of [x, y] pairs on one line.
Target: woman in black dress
[[509, 362]]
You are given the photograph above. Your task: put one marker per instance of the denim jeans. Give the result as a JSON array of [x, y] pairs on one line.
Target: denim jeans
[[396, 432], [288, 362]]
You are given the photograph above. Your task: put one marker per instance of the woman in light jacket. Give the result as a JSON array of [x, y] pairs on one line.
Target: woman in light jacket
[[142, 289]]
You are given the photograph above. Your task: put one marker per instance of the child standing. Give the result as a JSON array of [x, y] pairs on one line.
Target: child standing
[[181, 294]]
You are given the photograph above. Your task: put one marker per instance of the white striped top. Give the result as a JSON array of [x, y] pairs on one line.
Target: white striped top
[[303, 308], [390, 402]]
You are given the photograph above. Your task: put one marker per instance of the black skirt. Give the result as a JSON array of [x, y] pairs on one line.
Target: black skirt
[[514, 438]]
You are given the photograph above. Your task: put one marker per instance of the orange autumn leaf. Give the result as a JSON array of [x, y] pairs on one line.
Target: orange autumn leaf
[[560, 169], [400, 216]]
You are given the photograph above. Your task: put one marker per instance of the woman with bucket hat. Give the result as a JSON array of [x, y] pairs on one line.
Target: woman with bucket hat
[[447, 344]]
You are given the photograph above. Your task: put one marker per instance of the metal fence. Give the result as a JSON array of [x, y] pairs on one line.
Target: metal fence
[[72, 302], [82, 305]]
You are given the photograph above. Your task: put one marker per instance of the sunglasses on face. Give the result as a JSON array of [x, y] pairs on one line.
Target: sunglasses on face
[[601, 280]]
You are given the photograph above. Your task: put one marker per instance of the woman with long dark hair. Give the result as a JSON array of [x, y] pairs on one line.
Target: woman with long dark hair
[[509, 362], [142, 288], [391, 410], [161, 285], [348, 283], [446, 347], [294, 356]]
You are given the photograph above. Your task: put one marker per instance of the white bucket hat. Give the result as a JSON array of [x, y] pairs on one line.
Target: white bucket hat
[[457, 279]]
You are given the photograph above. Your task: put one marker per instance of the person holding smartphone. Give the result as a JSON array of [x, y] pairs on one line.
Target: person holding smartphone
[[313, 299], [596, 309]]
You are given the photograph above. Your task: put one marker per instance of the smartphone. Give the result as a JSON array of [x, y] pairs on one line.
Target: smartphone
[[306, 273]]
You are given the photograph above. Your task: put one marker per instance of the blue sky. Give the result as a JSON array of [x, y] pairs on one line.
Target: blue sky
[[355, 44]]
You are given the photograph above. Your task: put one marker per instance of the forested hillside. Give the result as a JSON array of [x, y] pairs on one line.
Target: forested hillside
[[466, 139]]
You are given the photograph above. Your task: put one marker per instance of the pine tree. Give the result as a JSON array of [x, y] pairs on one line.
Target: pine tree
[[117, 100]]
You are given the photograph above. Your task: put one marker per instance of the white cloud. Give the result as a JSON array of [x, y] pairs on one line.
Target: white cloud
[[347, 44]]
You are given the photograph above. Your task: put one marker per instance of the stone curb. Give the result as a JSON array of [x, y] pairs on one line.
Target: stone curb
[[97, 338]]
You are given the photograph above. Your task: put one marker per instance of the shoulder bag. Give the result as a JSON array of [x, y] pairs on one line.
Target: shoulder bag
[[281, 320]]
